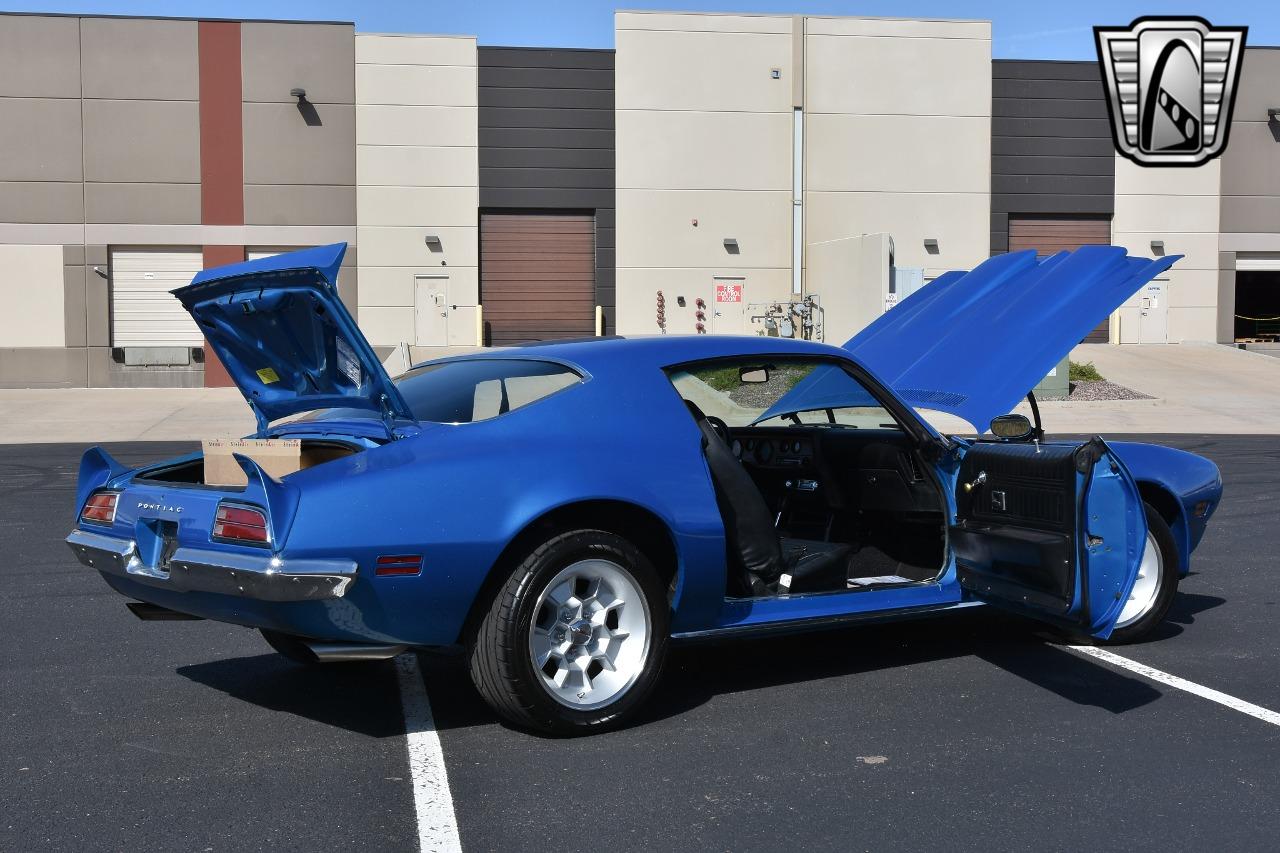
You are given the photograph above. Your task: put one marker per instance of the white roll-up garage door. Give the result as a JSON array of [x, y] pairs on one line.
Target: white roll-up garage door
[[143, 311]]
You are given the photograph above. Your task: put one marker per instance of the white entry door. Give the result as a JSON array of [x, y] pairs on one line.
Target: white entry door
[[1153, 314], [431, 311]]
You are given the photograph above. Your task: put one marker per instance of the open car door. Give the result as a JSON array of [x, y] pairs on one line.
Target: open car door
[[1055, 532]]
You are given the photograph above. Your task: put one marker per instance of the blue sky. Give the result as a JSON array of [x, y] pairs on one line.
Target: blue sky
[[1026, 29]]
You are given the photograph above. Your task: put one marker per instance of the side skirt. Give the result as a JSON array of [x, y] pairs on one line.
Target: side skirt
[[802, 626]]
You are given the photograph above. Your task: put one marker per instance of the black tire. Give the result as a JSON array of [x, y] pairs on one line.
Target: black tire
[[290, 647], [498, 654], [1170, 574]]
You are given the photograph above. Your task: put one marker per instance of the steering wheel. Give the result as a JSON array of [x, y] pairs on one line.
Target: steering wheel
[[721, 428]]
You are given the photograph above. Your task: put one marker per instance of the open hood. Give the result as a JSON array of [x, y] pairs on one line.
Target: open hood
[[286, 339], [975, 343]]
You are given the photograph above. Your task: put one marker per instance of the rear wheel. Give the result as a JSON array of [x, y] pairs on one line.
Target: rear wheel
[[1157, 584], [574, 640]]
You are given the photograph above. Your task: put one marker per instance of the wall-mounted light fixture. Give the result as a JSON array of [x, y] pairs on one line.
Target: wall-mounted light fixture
[[298, 92], [731, 246], [1157, 247], [931, 245], [433, 243], [1273, 114]]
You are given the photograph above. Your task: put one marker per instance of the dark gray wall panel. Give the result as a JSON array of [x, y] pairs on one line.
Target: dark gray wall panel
[[39, 57], [142, 141], [551, 198], [542, 58], [281, 147], [546, 140], [140, 59], [40, 139], [1051, 148], [297, 204], [142, 204], [542, 137], [41, 202], [1251, 163], [541, 78], [276, 57], [73, 311], [576, 99], [1042, 146], [546, 158], [1052, 185]]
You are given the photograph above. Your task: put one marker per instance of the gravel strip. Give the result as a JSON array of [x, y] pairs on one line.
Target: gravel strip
[[1088, 392]]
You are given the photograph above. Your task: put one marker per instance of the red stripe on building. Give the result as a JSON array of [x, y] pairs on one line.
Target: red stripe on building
[[221, 152]]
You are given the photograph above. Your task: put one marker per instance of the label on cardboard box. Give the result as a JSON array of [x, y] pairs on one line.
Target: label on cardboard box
[[276, 456]]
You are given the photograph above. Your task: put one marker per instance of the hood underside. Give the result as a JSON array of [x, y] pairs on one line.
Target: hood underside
[[973, 344]]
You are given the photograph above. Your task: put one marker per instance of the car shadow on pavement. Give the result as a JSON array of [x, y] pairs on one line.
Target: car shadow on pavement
[[696, 673], [362, 698]]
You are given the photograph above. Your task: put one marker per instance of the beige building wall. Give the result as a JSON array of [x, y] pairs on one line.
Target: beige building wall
[[417, 175], [31, 291], [1180, 207], [704, 135], [897, 129], [898, 140]]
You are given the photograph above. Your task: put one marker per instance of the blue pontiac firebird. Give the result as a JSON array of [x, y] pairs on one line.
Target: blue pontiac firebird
[[561, 511]]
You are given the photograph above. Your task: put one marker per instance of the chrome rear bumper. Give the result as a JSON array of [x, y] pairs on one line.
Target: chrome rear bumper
[[263, 577]]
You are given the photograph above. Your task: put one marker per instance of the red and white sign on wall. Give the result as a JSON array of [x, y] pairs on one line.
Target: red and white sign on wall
[[728, 291]]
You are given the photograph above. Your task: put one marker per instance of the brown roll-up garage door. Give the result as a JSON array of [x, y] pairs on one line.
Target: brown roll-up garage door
[[537, 276], [1048, 234]]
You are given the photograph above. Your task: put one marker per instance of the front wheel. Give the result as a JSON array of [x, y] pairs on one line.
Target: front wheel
[[1157, 584], [575, 638]]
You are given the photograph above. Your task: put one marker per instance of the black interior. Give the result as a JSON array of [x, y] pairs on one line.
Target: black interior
[[1015, 534], [823, 509]]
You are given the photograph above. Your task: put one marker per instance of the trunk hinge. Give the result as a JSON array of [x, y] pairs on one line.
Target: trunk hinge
[[388, 417], [261, 419]]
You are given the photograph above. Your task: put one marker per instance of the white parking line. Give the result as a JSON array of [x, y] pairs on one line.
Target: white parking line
[[1256, 711], [437, 824]]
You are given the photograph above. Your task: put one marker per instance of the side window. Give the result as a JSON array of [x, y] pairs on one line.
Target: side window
[[780, 393], [480, 389]]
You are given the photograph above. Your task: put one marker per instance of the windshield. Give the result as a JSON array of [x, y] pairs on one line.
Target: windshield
[[781, 392], [470, 390]]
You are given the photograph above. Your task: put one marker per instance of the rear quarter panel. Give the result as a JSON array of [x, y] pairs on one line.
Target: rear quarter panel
[[459, 493]]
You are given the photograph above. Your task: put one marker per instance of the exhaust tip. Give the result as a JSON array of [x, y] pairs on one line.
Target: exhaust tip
[[352, 652]]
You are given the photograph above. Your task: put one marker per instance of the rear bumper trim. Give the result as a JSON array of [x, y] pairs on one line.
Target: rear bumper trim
[[262, 577]]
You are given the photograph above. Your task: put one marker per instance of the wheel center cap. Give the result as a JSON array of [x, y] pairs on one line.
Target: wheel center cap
[[580, 632]]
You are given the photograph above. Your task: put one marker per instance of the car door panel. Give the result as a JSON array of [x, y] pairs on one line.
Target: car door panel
[[1051, 531]]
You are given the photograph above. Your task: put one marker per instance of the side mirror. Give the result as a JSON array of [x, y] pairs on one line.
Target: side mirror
[[753, 375], [1011, 427]]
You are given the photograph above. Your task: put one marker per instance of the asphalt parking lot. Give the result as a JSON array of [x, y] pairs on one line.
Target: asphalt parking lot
[[966, 732]]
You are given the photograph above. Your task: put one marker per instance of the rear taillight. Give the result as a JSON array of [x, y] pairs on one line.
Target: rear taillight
[[100, 508], [239, 523]]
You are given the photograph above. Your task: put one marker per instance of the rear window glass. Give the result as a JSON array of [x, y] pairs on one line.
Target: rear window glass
[[476, 390]]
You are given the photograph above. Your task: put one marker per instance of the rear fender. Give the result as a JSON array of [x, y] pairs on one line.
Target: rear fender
[[279, 499], [97, 469]]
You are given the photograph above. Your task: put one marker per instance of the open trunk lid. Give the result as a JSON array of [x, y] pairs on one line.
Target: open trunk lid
[[286, 339]]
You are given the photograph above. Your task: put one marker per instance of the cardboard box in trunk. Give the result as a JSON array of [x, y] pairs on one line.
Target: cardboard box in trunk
[[277, 456]]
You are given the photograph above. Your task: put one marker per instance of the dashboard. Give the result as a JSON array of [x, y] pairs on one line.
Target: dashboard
[[871, 469], [774, 452]]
